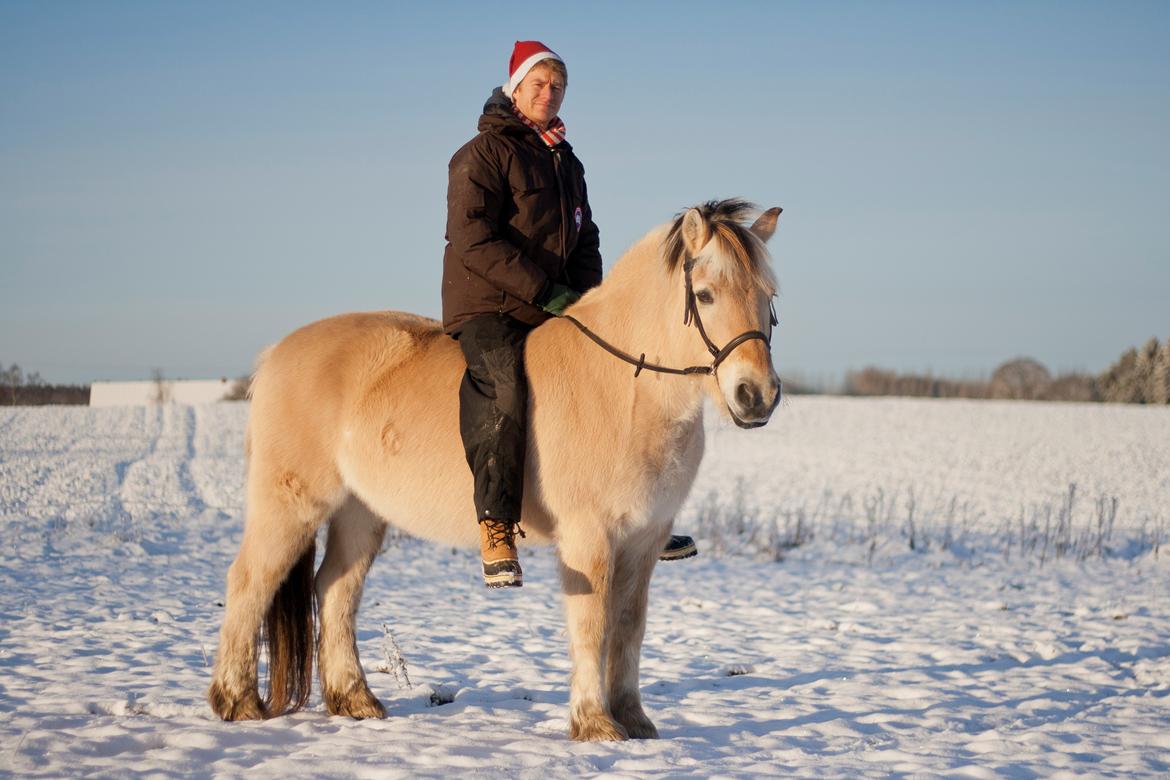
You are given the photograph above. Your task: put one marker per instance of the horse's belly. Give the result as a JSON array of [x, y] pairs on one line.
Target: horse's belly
[[403, 457], [415, 478], [426, 497]]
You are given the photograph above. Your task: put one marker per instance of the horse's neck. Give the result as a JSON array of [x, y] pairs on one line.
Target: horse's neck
[[639, 308]]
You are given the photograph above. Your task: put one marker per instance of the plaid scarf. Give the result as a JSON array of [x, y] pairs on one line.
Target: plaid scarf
[[552, 136]]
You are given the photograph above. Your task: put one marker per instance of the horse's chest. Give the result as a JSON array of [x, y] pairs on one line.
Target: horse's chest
[[672, 453]]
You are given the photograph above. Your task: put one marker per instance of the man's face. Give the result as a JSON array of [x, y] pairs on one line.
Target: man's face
[[540, 94]]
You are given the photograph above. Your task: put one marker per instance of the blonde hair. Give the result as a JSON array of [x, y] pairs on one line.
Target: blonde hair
[[555, 65]]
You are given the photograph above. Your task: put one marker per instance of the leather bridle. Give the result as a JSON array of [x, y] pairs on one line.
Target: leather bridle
[[690, 314]]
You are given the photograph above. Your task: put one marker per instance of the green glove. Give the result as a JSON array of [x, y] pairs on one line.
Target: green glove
[[560, 298]]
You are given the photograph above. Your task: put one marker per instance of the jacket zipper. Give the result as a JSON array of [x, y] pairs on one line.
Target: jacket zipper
[[561, 196]]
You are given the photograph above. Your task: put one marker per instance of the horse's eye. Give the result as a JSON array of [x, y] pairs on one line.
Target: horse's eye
[[705, 296]]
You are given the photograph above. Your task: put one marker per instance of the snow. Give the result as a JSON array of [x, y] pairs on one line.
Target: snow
[[851, 656]]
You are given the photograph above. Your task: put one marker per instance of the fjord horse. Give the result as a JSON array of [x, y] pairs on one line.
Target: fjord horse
[[354, 423]]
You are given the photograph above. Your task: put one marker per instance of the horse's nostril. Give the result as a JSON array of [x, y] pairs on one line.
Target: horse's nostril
[[748, 395]]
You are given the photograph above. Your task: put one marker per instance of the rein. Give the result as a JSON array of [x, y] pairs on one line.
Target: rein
[[691, 313]]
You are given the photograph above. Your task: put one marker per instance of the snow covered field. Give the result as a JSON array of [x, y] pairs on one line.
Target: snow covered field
[[1026, 633]]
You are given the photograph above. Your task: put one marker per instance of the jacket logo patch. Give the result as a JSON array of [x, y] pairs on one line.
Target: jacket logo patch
[[577, 217]]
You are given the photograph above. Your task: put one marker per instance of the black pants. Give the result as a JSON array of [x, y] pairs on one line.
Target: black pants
[[493, 410]]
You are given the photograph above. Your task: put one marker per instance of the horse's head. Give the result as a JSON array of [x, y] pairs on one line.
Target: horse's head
[[729, 286]]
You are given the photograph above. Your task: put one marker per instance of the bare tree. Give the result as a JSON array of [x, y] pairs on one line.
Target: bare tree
[[1022, 378], [1072, 387], [1143, 370], [1158, 389], [11, 377], [1119, 383], [1140, 376], [162, 388], [869, 381], [1154, 373], [238, 390]]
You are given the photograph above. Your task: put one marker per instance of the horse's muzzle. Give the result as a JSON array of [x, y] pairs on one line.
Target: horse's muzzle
[[753, 407]]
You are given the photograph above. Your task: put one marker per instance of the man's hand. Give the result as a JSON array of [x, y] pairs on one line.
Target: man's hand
[[560, 298]]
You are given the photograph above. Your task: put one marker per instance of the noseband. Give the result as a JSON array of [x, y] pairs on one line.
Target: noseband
[[690, 314]]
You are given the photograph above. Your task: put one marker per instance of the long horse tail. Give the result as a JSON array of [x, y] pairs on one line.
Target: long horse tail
[[290, 633]]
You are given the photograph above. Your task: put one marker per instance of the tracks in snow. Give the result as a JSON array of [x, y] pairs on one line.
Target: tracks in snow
[[121, 474], [161, 478]]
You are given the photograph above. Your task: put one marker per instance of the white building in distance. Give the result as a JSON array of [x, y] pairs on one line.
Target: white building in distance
[[145, 393]]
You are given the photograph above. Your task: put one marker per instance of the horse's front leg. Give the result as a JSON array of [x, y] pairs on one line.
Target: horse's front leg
[[627, 606], [587, 565]]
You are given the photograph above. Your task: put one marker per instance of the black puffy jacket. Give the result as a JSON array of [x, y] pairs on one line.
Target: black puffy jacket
[[518, 219]]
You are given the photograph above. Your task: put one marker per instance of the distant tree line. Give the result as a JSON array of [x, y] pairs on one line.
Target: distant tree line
[[1140, 376], [20, 389]]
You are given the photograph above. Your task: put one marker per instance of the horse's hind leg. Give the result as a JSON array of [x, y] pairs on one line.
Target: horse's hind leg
[[586, 577], [355, 536], [283, 512], [627, 619]]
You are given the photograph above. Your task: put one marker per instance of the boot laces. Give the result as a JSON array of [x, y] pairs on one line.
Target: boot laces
[[502, 532]]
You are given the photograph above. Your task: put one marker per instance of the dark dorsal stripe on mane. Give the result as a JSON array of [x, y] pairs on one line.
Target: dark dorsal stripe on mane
[[725, 220]]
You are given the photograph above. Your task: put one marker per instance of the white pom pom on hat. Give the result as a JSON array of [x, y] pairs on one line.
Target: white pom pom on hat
[[526, 54]]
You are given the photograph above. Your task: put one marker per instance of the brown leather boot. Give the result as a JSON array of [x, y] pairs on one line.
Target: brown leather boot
[[677, 548], [497, 545]]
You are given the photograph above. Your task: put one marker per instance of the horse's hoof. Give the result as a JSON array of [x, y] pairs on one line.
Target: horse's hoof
[[627, 710], [638, 726], [242, 707], [597, 728], [357, 703]]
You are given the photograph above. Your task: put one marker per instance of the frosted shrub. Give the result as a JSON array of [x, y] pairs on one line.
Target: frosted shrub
[[741, 526], [1064, 527], [393, 662]]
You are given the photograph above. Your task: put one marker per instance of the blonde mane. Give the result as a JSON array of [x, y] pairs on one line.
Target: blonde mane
[[731, 239]]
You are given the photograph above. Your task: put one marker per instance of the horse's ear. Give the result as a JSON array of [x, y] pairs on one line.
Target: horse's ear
[[694, 231], [765, 226]]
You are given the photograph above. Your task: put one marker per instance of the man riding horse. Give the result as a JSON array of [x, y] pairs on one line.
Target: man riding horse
[[521, 248]]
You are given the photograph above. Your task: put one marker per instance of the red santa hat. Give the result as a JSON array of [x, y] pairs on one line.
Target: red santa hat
[[525, 54]]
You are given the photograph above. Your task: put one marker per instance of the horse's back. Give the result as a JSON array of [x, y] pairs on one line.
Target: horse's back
[[371, 398], [329, 360], [307, 384]]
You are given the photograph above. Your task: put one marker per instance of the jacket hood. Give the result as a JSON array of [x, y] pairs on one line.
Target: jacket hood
[[498, 103], [498, 117]]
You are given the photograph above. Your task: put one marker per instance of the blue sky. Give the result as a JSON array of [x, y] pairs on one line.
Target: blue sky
[[183, 183]]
